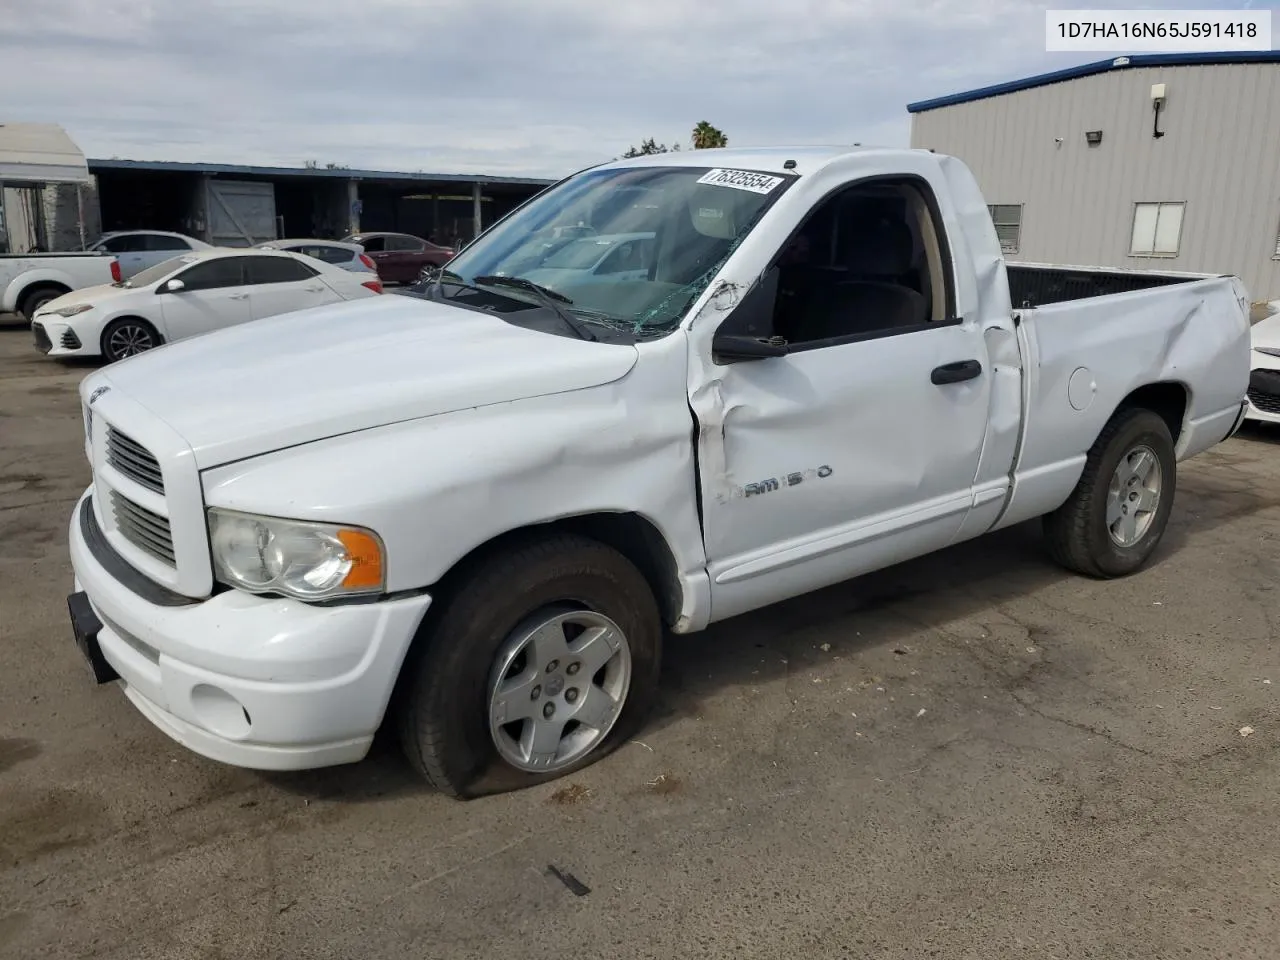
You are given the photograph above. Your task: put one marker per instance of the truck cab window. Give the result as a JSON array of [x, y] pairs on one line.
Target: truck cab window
[[866, 262]]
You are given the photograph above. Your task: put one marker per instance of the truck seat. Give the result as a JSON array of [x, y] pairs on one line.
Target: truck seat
[[871, 296]]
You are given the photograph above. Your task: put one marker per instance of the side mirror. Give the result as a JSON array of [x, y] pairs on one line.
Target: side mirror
[[747, 332], [734, 347], [173, 286]]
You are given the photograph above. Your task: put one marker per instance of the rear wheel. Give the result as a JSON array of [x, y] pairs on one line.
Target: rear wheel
[[540, 662], [1116, 516], [128, 337], [36, 298]]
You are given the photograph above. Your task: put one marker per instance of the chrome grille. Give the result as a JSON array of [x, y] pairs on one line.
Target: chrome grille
[[147, 531], [134, 460]]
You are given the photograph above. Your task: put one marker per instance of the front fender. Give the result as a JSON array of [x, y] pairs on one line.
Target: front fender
[[438, 487]]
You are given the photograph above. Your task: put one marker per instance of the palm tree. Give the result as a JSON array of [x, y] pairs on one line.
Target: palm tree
[[705, 136]]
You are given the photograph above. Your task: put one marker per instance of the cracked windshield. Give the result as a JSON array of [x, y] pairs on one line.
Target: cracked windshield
[[627, 250]]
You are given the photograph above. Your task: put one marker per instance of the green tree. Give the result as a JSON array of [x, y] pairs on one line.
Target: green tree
[[648, 147], [705, 136]]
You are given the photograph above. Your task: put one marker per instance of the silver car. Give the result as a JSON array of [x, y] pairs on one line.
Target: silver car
[[136, 250], [338, 253]]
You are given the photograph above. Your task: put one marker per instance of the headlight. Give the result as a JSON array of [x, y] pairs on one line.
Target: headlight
[[309, 561], [72, 310], [1269, 351]]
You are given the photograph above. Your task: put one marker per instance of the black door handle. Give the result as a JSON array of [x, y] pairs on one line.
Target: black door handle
[[956, 372]]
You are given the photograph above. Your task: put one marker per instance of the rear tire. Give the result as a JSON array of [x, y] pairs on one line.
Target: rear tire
[[460, 728], [37, 297], [1117, 514], [127, 337]]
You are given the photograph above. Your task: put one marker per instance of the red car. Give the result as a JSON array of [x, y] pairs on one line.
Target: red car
[[400, 257]]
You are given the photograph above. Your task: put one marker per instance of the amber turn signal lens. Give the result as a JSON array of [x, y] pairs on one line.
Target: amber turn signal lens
[[366, 559]]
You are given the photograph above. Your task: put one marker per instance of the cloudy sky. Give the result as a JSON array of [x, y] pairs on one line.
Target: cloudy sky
[[539, 87]]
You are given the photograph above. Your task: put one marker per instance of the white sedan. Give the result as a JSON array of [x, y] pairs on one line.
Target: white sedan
[[1264, 378], [189, 295]]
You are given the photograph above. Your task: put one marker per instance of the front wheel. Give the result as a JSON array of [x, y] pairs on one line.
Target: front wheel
[[1116, 516], [540, 662], [128, 337]]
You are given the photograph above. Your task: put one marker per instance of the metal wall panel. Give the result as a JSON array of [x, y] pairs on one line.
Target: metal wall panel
[[241, 212], [1220, 155]]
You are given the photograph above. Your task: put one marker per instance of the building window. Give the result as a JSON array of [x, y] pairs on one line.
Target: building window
[[1008, 220], [1157, 229]]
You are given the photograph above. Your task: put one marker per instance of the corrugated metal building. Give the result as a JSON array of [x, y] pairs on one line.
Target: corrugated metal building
[[1158, 161], [52, 198]]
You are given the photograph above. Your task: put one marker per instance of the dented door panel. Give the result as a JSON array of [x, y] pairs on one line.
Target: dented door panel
[[831, 462], [837, 460]]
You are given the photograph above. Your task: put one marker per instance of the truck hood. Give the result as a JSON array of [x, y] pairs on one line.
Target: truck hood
[[330, 370]]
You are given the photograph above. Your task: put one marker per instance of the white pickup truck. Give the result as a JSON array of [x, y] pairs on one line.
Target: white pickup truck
[[30, 280], [476, 512]]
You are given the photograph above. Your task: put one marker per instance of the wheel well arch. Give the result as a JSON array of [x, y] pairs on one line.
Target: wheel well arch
[[634, 536], [1169, 399], [35, 286]]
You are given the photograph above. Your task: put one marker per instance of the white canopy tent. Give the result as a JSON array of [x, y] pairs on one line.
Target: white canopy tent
[[40, 153], [34, 159]]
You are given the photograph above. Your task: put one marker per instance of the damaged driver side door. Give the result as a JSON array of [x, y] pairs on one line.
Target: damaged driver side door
[[851, 440]]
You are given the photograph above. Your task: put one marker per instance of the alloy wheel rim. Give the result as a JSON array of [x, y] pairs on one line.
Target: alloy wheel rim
[[128, 340], [1133, 496], [557, 688]]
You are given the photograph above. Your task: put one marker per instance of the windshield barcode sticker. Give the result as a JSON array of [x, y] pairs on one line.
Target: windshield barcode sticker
[[741, 180]]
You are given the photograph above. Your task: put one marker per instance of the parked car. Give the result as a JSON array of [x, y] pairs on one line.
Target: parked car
[[1264, 379], [190, 295], [611, 258], [477, 510], [30, 280], [400, 257], [138, 249], [345, 256]]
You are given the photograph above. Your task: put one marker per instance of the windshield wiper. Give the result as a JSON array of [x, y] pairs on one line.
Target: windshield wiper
[[550, 298], [454, 278]]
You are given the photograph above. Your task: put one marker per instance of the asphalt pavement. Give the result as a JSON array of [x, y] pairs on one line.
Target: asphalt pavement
[[973, 756]]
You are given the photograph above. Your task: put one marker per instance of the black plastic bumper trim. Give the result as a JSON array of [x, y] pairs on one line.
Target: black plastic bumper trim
[[119, 568]]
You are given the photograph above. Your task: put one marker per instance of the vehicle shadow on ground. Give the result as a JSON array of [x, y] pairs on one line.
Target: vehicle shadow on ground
[[950, 585]]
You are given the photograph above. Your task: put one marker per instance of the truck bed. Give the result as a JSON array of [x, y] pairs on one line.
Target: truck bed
[[59, 253], [1086, 357], [1038, 284]]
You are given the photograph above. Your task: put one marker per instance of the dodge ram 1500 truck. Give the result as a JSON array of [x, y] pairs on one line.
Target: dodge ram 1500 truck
[[478, 512]]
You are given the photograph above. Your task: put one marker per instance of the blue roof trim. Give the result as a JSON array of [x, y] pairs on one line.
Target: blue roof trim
[[171, 166], [1099, 66]]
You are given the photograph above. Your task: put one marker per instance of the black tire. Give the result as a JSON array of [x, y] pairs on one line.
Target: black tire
[[1077, 532], [441, 707], [121, 332], [37, 297]]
